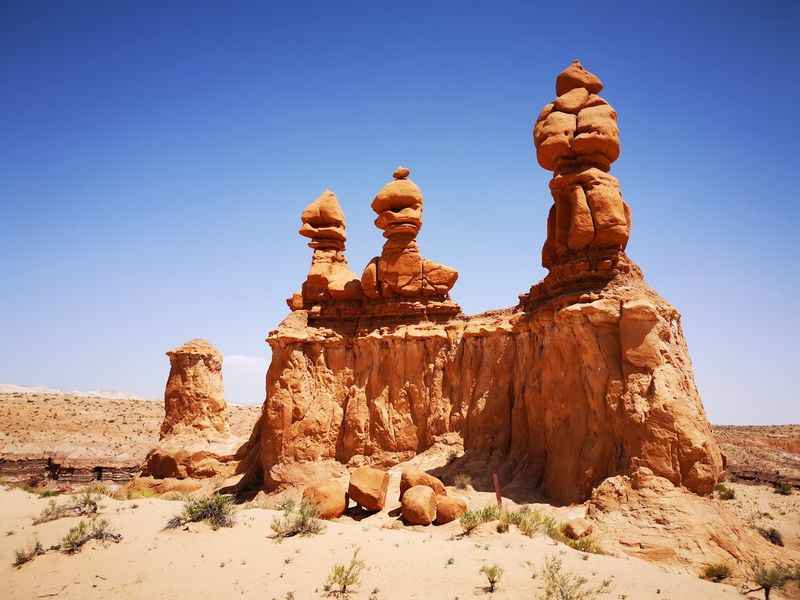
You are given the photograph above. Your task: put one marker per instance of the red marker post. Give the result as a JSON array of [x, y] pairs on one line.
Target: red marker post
[[497, 493]]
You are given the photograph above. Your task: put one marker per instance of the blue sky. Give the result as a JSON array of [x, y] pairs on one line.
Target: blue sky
[[155, 159]]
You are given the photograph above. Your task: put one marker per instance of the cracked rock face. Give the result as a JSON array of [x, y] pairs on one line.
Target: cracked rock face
[[558, 399], [194, 398]]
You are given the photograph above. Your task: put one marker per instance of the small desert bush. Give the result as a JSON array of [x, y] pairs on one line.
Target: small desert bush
[[297, 519], [343, 578], [217, 511], [724, 492], [84, 531], [462, 481], [783, 488], [173, 496], [716, 572], [493, 575], [771, 535], [472, 518], [81, 506], [560, 584], [774, 577], [27, 553]]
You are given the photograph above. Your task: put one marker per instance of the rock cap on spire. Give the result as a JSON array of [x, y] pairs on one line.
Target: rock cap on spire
[[575, 76]]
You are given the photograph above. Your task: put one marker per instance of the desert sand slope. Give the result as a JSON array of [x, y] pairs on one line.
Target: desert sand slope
[[243, 561]]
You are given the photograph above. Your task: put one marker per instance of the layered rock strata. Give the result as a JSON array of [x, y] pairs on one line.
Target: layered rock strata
[[562, 397]]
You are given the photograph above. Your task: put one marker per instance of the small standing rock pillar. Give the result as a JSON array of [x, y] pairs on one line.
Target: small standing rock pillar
[[194, 398], [400, 270], [330, 277]]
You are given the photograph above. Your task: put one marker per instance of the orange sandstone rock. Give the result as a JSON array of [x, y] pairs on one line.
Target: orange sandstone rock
[[401, 271], [411, 476], [194, 398], [329, 497], [368, 487], [419, 505], [576, 136], [449, 508], [329, 277]]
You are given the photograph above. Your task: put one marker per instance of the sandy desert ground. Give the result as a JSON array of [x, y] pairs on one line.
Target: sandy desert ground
[[245, 561]]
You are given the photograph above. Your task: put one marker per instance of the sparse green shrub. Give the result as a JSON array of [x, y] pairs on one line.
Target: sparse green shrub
[[724, 492], [784, 488], [49, 493], [343, 578], [81, 506], [469, 521], [717, 572], [217, 511], [771, 578], [493, 575], [297, 519], [462, 481], [28, 553], [771, 535], [560, 584], [81, 533]]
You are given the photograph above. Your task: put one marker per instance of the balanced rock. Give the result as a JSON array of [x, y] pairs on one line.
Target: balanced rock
[[328, 497], [401, 271], [449, 508], [368, 487], [419, 505], [411, 476], [194, 399], [330, 277], [576, 136]]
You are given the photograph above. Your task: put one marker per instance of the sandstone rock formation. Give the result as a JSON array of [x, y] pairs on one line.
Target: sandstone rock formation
[[330, 277], [588, 378], [400, 270], [196, 441], [419, 505], [329, 497], [576, 136], [368, 487], [449, 508], [412, 476], [648, 517], [194, 398]]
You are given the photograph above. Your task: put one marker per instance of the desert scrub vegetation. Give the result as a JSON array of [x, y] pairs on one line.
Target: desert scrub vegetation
[[493, 575], [768, 578], [27, 553], [560, 584], [81, 506], [784, 488], [472, 518], [716, 572], [297, 519], [343, 578], [217, 511], [96, 529], [771, 534], [724, 492]]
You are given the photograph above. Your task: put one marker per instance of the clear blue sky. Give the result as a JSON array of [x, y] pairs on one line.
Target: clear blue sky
[[154, 161]]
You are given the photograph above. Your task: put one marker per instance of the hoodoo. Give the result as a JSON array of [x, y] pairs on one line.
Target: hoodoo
[[589, 376]]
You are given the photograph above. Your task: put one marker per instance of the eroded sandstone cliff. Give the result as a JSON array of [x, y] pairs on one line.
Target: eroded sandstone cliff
[[587, 378]]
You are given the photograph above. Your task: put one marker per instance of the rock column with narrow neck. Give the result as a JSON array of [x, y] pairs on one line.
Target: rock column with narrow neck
[[329, 278], [400, 272], [576, 136]]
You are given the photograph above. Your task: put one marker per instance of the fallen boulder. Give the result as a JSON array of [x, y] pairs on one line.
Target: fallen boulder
[[368, 487], [419, 505]]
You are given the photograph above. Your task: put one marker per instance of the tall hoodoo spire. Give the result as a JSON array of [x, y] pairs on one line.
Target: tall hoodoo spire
[[576, 136]]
